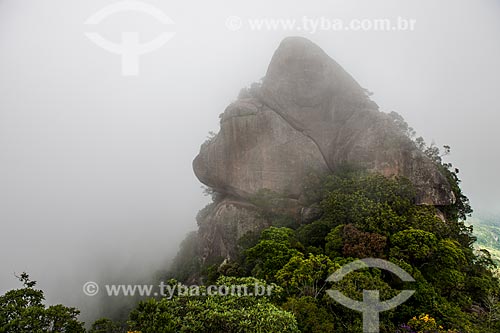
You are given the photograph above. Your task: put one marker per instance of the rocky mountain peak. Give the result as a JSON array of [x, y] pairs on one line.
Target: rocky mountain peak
[[308, 115]]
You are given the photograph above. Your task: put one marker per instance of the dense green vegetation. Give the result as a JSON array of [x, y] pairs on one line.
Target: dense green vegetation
[[368, 215], [215, 313], [371, 216], [363, 215]]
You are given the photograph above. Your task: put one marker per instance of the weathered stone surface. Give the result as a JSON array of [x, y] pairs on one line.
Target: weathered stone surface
[[317, 97], [227, 222], [257, 149]]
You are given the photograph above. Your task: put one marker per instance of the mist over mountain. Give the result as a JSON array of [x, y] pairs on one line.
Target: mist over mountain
[[96, 178]]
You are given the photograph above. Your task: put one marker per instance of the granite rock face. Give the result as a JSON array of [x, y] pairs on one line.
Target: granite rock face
[[256, 149], [308, 115], [224, 225]]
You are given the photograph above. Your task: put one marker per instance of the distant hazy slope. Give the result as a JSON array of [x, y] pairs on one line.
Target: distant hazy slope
[[487, 231]]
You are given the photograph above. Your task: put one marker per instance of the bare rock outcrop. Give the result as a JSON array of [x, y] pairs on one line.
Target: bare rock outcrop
[[256, 149]]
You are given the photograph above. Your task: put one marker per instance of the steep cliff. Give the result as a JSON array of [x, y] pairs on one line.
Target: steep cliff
[[307, 115]]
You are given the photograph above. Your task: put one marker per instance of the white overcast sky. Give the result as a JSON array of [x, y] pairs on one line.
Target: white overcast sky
[[95, 168]]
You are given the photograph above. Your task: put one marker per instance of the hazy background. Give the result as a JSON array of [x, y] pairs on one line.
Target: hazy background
[[95, 168]]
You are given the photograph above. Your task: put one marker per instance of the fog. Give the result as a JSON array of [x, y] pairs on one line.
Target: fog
[[95, 167]]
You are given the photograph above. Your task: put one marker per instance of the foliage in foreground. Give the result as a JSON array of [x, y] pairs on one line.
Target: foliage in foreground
[[22, 311], [363, 215], [213, 313]]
